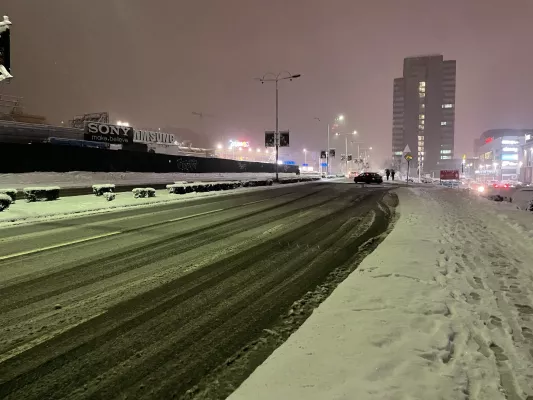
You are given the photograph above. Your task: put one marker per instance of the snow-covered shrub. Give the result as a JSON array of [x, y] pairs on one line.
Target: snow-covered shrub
[[176, 188], [143, 192], [5, 201], [11, 193], [41, 193], [109, 196], [100, 189], [138, 192]]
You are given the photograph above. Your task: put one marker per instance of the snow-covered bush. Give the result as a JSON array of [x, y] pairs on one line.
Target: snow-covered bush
[[100, 189], [109, 196], [176, 188], [41, 193], [11, 193], [143, 192], [5, 201]]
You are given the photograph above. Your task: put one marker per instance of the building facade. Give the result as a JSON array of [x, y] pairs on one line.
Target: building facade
[[526, 173], [500, 155], [424, 112]]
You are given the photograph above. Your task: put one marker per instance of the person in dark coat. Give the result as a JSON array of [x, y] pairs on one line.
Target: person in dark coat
[[387, 172], [392, 172]]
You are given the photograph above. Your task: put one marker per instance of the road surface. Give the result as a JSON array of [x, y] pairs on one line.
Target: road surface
[[145, 303]]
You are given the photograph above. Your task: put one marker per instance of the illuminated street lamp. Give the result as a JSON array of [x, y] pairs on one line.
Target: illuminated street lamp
[[339, 118], [270, 77], [219, 146], [123, 123], [346, 140]]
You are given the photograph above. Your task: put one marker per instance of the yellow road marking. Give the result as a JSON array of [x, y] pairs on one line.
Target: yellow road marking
[[87, 239], [55, 246]]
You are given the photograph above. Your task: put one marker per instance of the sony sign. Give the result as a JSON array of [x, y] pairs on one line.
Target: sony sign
[[116, 134], [153, 137]]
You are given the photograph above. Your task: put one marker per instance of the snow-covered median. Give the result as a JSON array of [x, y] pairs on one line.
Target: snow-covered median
[[442, 309], [87, 179], [24, 212]]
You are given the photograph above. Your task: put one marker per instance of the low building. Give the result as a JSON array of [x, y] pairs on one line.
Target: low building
[[500, 156]]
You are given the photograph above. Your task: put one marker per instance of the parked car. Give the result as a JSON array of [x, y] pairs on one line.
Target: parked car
[[368, 177]]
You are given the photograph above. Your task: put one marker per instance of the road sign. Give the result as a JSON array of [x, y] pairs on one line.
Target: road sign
[[408, 156], [305, 165], [407, 149], [270, 139], [284, 139], [449, 174], [324, 164]]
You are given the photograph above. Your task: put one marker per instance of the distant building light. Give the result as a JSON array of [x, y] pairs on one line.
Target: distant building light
[[506, 141]]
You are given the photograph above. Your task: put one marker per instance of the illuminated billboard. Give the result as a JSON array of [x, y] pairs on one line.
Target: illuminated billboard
[[509, 157], [238, 143]]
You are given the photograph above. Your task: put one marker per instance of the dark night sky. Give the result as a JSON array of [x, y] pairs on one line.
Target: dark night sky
[[154, 62]]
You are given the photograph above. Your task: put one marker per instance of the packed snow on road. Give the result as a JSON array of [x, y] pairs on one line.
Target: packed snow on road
[[443, 309]]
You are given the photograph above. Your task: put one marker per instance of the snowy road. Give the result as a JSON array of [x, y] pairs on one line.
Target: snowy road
[[442, 309], [149, 303]]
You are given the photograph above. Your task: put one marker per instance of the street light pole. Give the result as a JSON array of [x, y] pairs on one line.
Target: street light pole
[[277, 134], [283, 75], [346, 144], [327, 156], [346, 155]]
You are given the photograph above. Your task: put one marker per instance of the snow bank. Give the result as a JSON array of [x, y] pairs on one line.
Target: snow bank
[[86, 179], [423, 317]]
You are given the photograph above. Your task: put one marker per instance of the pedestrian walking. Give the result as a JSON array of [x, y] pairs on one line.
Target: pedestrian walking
[[392, 172], [387, 172]]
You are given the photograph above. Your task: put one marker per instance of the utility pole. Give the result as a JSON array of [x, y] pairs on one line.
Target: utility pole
[[283, 75]]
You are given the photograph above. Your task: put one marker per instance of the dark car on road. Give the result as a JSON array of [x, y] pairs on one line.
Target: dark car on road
[[368, 177]]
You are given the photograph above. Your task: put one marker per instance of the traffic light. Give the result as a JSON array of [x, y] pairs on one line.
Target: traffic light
[[323, 154], [332, 153], [5, 50], [349, 157]]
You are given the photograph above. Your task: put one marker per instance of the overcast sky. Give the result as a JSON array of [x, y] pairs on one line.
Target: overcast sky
[[154, 62]]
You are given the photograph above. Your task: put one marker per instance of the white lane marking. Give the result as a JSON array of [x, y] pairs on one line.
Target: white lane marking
[[55, 246]]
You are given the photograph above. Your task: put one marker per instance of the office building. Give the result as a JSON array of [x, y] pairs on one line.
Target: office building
[[424, 112]]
